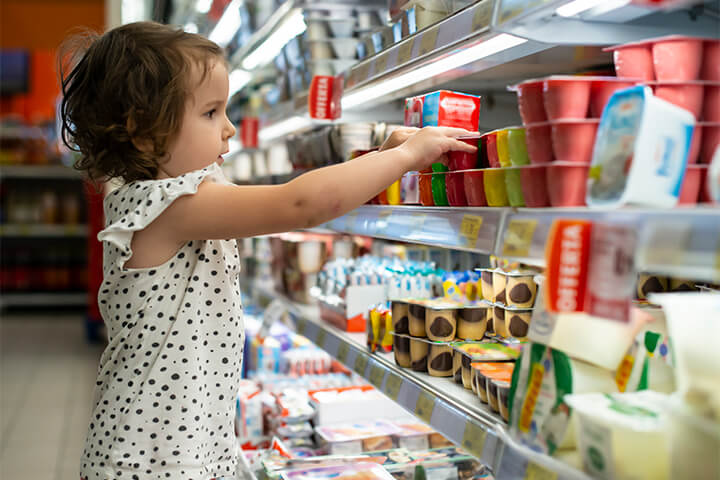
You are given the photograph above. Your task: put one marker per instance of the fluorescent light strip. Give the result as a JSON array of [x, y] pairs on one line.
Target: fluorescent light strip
[[488, 47], [228, 24], [291, 27], [238, 79], [577, 7], [283, 128]]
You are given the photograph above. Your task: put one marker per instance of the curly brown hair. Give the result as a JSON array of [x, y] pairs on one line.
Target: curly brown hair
[[124, 98]]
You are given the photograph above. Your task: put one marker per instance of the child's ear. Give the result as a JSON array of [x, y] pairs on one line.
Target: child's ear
[[143, 144]]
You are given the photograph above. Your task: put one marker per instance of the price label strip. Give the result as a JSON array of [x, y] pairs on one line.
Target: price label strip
[[362, 72], [392, 386], [321, 338], [428, 41], [424, 406], [538, 472], [383, 221], [361, 364], [518, 237], [474, 438], [377, 373], [381, 62], [470, 229], [417, 222], [483, 15], [342, 354], [301, 326], [405, 51]]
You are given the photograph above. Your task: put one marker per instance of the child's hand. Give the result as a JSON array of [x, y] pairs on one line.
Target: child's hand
[[398, 137], [429, 145]]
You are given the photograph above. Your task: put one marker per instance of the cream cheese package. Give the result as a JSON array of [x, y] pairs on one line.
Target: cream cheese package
[[641, 151]]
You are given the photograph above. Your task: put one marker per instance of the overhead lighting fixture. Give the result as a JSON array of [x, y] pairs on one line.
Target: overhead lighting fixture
[[203, 6], [191, 28], [290, 28], [228, 24], [283, 128], [238, 79], [488, 47], [576, 7]]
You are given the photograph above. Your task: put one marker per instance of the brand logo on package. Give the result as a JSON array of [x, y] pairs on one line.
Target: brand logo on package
[[249, 132], [567, 255], [324, 98]]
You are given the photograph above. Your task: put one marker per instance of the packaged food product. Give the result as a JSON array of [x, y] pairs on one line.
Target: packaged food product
[[686, 95], [499, 283], [513, 186], [482, 371], [413, 111], [354, 471], [503, 398], [711, 61], [467, 353], [409, 189], [567, 183], [472, 321], [441, 322], [530, 101], [539, 142], [512, 321], [400, 315], [711, 108], [451, 109], [636, 131], [517, 146], [401, 350], [455, 189], [474, 189], [566, 97], [355, 438], [419, 349], [648, 284], [503, 151], [439, 191], [601, 90], [379, 329], [438, 440], [416, 317], [490, 142], [440, 360], [520, 288], [486, 282], [634, 61], [533, 181], [710, 141], [573, 140], [539, 415], [425, 188], [677, 58], [621, 436], [690, 189], [493, 379]]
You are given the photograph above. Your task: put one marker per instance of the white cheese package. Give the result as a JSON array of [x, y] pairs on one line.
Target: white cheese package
[[641, 151]]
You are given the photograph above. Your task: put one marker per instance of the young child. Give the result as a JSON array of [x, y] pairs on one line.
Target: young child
[[145, 103]]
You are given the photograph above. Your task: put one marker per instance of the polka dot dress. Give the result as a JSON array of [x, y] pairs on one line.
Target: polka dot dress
[[164, 403]]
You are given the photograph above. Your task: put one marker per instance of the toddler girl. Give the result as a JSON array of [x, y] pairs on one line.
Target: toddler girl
[[145, 104]]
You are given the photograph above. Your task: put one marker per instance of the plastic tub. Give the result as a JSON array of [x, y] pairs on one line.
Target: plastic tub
[[517, 146], [677, 58], [472, 322], [539, 143], [468, 353], [566, 97], [709, 142], [688, 95], [400, 316], [534, 186], [513, 185], [474, 189], [492, 370], [401, 350], [690, 190], [499, 324], [600, 93], [455, 190], [499, 283], [634, 61], [695, 144], [495, 190], [441, 323], [520, 289], [440, 361], [492, 381], [530, 101], [463, 160], [492, 151], [439, 192], [711, 61], [711, 111], [573, 140], [425, 189], [622, 436], [486, 284], [567, 184], [503, 149], [503, 398], [416, 317], [419, 349]]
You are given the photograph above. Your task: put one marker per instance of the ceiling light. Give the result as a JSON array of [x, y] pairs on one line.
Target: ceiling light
[[283, 128], [228, 24], [203, 6], [291, 27], [455, 60], [238, 79]]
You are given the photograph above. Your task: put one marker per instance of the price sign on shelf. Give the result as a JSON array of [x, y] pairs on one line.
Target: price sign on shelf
[[361, 362], [424, 406], [474, 438], [518, 237], [362, 72], [405, 51], [538, 472], [428, 41], [483, 14], [376, 375], [343, 351], [392, 386], [301, 326], [321, 337], [381, 62], [470, 229]]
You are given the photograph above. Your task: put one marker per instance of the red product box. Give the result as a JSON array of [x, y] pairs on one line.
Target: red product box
[[324, 97], [414, 112], [451, 109]]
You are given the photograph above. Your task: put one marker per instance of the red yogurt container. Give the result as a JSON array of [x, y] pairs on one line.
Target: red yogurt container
[[474, 189], [573, 140], [425, 188], [711, 110], [690, 190], [492, 154], [483, 161], [455, 190], [687, 95], [601, 91], [695, 144], [709, 142], [677, 58], [566, 184], [539, 142], [633, 61], [462, 160], [530, 101], [566, 97], [711, 61], [534, 185]]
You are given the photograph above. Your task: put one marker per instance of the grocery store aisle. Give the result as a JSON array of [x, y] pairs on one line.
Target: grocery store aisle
[[47, 376]]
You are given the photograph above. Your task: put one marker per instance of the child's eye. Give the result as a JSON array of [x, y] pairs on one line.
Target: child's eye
[[211, 113]]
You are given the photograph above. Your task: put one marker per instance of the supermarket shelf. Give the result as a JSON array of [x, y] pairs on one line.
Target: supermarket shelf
[[450, 409], [43, 231], [39, 171], [8, 300], [682, 242]]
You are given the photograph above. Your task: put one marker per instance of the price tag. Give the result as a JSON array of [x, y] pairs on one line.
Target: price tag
[[405, 51], [424, 406], [377, 373], [362, 71], [351, 221], [428, 41], [381, 62], [483, 15], [301, 326], [392, 386], [321, 337], [360, 364], [470, 229], [537, 472], [474, 438], [518, 237], [343, 351], [383, 221]]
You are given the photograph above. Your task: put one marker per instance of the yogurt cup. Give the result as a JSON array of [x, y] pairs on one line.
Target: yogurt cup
[[474, 188], [573, 140], [711, 110], [503, 398], [539, 142], [401, 351], [686, 95], [690, 190], [634, 61], [710, 141], [441, 323], [439, 192], [503, 148], [695, 144], [416, 317], [534, 186], [472, 321], [455, 189], [486, 283], [566, 184], [458, 160], [566, 97], [513, 185], [517, 146], [491, 148], [710, 69], [495, 190], [425, 188], [530, 101], [602, 90], [440, 360], [677, 58]]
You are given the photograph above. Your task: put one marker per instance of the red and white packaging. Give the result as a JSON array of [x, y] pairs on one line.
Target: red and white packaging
[[451, 109], [249, 132], [414, 112], [324, 97]]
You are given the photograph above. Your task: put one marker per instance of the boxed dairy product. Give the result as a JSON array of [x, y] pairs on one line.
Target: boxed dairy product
[[353, 439], [640, 152], [451, 109]]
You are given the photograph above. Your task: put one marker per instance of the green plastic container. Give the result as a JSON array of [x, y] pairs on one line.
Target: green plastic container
[[438, 185]]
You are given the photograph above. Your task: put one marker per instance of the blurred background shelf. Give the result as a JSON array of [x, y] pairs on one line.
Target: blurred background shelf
[[39, 231], [71, 299]]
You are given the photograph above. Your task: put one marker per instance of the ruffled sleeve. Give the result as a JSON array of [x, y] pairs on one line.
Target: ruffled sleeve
[[136, 205]]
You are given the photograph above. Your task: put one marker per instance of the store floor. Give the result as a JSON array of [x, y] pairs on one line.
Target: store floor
[[47, 376]]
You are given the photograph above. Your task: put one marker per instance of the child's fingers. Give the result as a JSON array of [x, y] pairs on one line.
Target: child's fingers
[[453, 132], [457, 145]]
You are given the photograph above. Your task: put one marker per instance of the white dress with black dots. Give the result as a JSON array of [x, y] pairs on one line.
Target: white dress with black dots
[[164, 403]]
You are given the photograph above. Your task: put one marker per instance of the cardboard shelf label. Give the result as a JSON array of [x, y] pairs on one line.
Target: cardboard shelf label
[[424, 406], [538, 472], [470, 229], [361, 362], [377, 373], [381, 62], [321, 338], [518, 237], [428, 41], [405, 51], [474, 438], [342, 353], [301, 326], [392, 385]]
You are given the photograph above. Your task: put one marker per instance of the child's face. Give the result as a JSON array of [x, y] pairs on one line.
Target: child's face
[[205, 130]]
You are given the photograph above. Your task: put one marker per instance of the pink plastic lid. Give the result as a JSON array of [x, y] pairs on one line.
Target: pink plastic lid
[[667, 38]]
